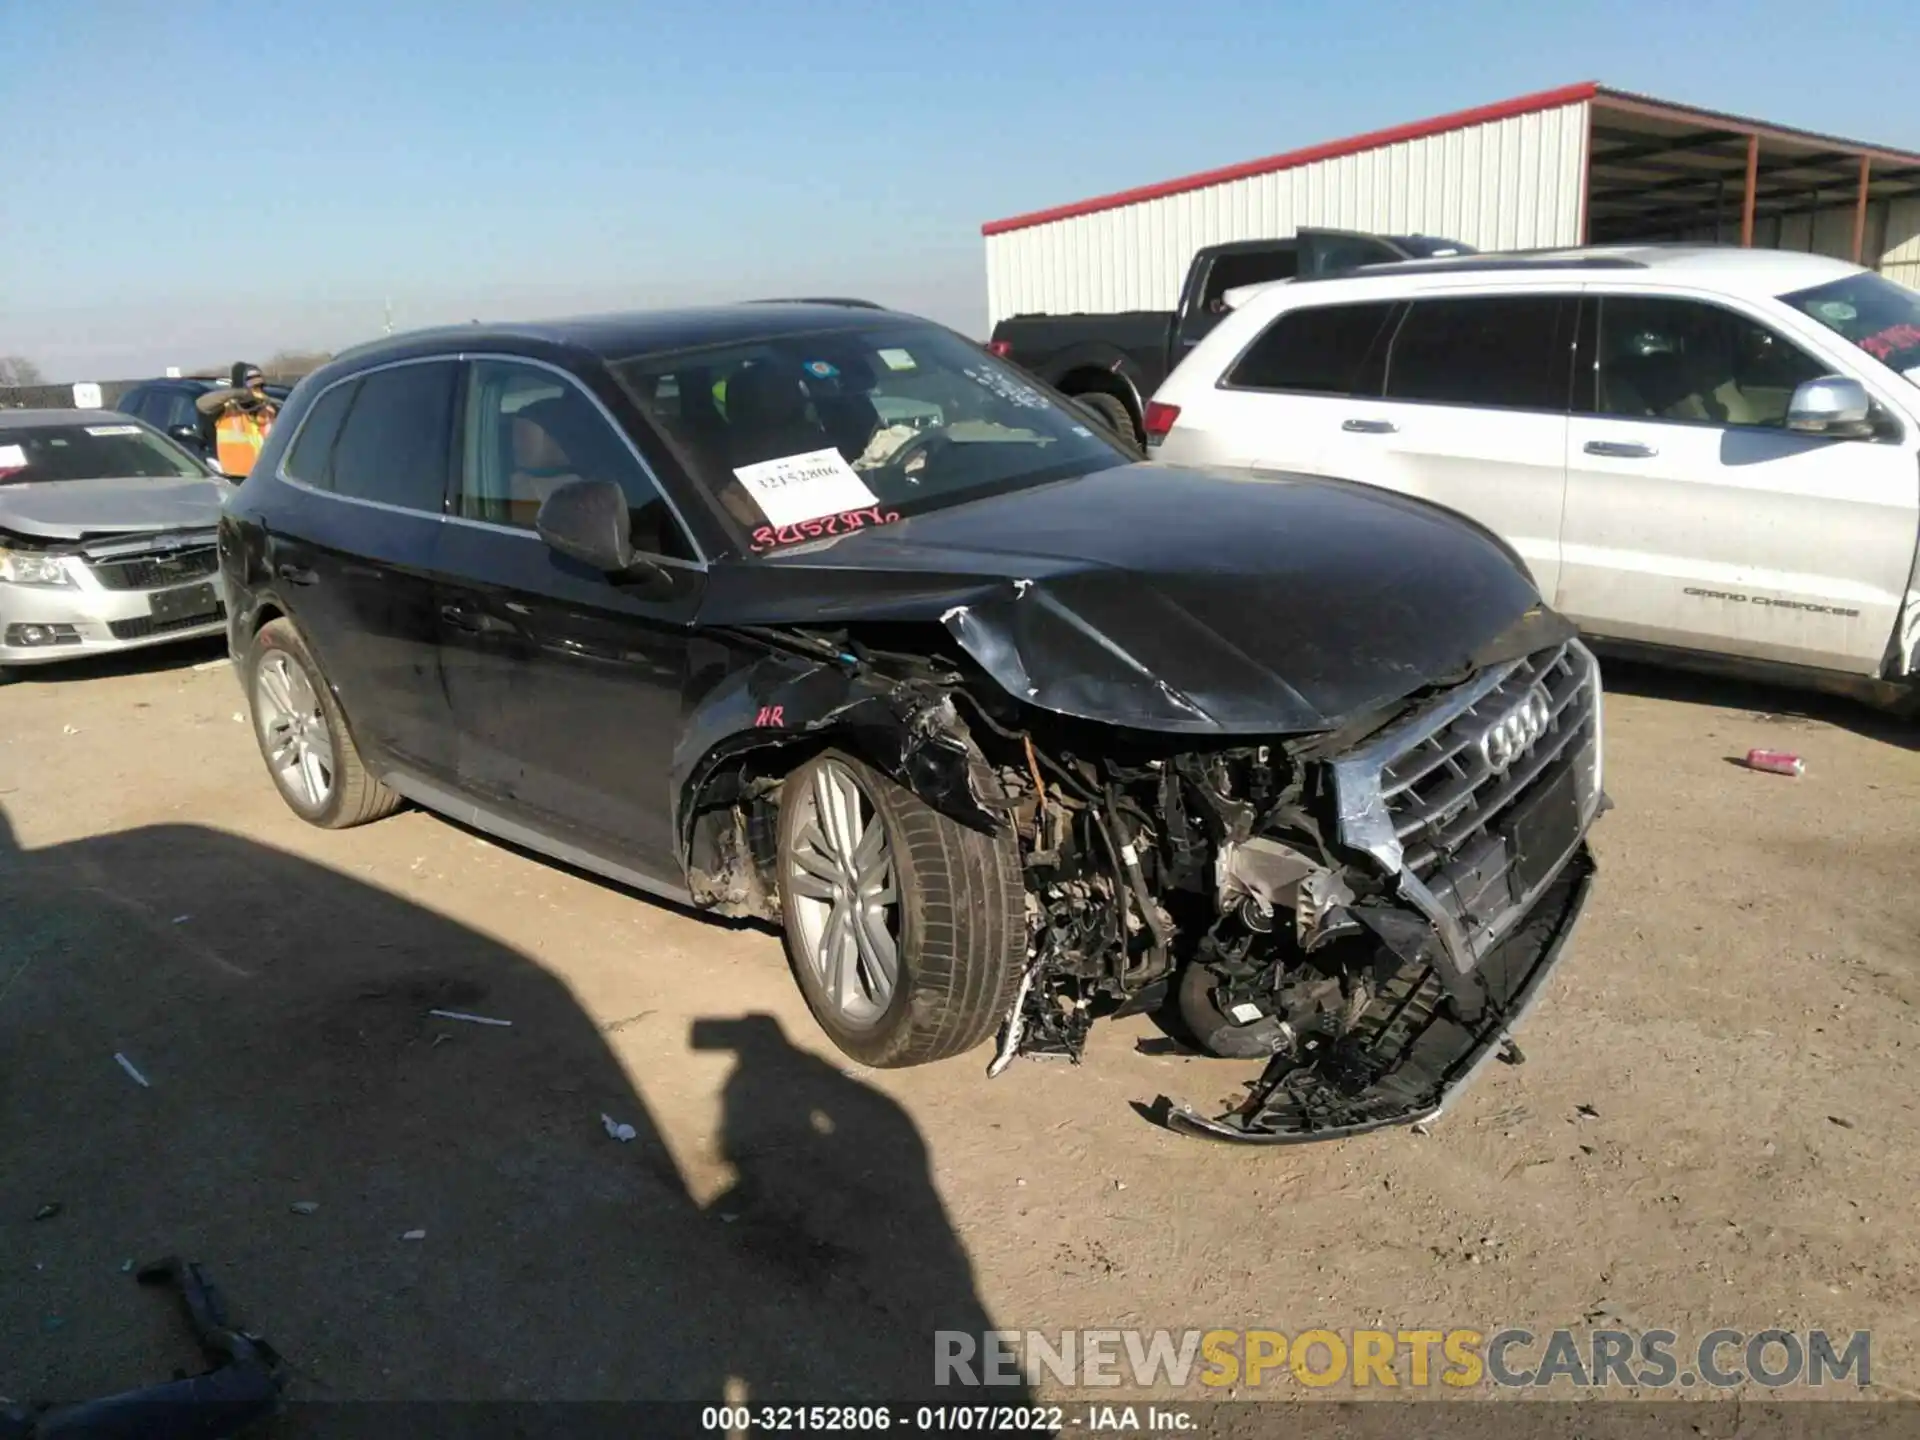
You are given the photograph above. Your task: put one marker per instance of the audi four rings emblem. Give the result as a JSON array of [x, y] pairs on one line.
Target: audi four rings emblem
[[1514, 733]]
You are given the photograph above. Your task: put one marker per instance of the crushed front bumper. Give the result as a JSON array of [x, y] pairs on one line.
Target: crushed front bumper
[[1340, 1095]]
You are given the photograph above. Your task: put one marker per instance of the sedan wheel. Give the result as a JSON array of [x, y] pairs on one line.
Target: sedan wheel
[[906, 929]]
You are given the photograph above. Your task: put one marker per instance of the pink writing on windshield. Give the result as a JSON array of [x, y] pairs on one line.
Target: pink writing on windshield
[[1885, 344], [768, 537]]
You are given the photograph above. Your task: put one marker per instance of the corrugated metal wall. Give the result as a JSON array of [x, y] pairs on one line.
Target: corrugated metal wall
[[1505, 184], [1891, 243], [1900, 246]]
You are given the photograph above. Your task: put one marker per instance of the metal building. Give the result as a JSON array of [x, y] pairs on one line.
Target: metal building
[[1580, 164]]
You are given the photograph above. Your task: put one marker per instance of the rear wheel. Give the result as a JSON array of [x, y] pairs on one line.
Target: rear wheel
[[304, 738], [905, 929], [1118, 418]]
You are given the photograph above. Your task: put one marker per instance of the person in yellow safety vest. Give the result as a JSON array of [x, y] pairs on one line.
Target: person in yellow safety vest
[[244, 413]]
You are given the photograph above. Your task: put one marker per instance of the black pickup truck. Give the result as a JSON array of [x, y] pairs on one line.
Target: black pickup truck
[[1112, 363]]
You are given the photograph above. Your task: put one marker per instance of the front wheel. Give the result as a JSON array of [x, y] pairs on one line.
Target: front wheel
[[906, 930]]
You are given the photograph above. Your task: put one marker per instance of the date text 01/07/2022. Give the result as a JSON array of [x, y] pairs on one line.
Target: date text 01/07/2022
[[944, 1419]]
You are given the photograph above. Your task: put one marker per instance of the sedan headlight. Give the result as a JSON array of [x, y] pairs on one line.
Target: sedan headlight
[[29, 567]]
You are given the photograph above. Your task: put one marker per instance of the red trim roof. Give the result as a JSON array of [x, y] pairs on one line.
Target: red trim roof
[[1418, 130]]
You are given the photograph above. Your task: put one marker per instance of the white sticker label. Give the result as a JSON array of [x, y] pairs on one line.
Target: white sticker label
[[804, 487], [86, 396], [13, 457], [897, 359], [113, 429]]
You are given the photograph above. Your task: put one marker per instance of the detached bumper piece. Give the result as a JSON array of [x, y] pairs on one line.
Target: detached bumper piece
[[243, 1387], [1413, 1050]]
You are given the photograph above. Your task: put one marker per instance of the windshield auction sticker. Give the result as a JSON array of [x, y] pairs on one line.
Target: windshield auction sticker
[[805, 487]]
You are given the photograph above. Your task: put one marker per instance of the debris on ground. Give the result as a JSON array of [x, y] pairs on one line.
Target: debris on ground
[[48, 1210], [1586, 1112], [470, 1019], [70, 730], [128, 1066], [414, 1235], [618, 1129], [1841, 1121], [1776, 762], [243, 1385], [304, 1207]]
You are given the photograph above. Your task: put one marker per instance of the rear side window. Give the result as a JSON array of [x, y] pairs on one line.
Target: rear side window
[[395, 444], [1231, 271], [311, 458], [1324, 350], [1497, 351]]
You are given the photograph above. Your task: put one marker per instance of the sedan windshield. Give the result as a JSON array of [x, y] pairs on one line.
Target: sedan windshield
[[1873, 312], [35, 453], [800, 437]]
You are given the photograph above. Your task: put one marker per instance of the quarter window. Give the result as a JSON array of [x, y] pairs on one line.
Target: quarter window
[[393, 444], [528, 432], [1493, 351], [1669, 359], [311, 458], [1323, 350]]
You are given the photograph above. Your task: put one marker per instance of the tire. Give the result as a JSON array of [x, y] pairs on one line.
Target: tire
[[278, 659], [957, 917], [1119, 418]]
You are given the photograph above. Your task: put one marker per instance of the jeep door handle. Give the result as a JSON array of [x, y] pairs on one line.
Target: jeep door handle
[[296, 574], [1369, 427], [1621, 449], [462, 617]]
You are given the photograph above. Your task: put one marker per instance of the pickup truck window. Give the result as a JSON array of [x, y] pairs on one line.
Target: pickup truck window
[[1229, 272], [1672, 359], [1506, 352], [1882, 318], [1321, 350]]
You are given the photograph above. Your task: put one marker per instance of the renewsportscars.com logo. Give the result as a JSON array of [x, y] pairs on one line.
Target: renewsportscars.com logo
[[1508, 1358]]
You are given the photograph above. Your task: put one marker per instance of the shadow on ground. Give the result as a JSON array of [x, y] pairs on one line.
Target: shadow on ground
[[1768, 702], [280, 1012], [145, 659]]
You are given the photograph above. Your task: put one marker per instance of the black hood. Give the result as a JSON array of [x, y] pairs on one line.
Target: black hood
[[1180, 600]]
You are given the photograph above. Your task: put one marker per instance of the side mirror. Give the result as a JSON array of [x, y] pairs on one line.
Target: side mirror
[[589, 521], [1832, 405]]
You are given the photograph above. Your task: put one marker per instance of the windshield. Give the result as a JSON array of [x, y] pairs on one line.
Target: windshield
[[1882, 318], [800, 437], [36, 453]]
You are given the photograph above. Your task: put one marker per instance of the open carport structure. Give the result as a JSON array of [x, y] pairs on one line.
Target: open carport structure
[[1583, 163]]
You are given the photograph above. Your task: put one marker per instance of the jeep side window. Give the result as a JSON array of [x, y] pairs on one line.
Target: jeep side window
[[1507, 352], [1320, 350], [1673, 359]]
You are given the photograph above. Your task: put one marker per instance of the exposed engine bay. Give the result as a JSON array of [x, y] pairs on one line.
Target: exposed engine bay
[[1368, 909]]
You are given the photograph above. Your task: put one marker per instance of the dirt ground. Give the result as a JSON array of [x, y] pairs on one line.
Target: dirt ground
[[1716, 1123]]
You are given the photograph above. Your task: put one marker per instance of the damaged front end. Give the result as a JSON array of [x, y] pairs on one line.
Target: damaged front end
[[1371, 915], [1369, 909]]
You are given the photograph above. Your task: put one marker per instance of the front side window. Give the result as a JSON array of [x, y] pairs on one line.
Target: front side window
[[107, 450], [1661, 358], [394, 441], [529, 431], [802, 436], [1322, 350], [1508, 352], [1870, 311]]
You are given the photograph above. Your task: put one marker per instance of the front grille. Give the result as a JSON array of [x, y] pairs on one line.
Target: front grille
[[1443, 794], [153, 572], [142, 626]]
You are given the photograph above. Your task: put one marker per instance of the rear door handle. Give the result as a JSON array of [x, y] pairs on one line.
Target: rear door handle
[[1621, 449], [1369, 427], [460, 617], [296, 574]]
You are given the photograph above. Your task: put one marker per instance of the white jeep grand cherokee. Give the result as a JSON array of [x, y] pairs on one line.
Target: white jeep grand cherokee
[[1708, 453]]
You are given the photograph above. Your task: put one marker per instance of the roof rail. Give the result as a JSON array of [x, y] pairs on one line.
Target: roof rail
[[1444, 265], [817, 300]]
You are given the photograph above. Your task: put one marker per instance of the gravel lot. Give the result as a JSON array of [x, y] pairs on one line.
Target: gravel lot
[[1737, 1016]]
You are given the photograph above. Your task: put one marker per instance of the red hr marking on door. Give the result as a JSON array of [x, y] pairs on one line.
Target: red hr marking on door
[[770, 715]]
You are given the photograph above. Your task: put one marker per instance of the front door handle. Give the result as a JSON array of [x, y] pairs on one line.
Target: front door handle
[[1621, 449], [462, 618], [1369, 427], [296, 574]]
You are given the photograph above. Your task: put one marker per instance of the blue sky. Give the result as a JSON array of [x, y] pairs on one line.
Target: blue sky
[[165, 202]]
